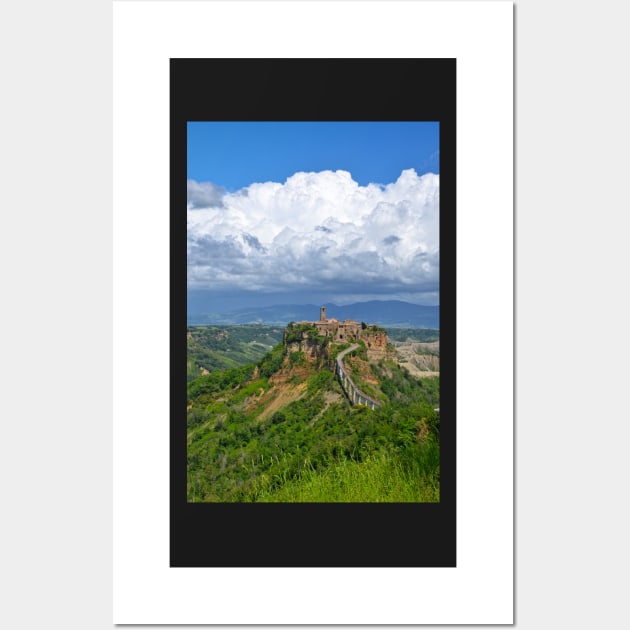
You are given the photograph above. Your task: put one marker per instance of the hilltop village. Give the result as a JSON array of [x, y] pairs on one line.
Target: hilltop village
[[346, 331]]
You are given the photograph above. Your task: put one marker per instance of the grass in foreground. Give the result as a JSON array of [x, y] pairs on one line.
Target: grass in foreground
[[379, 478]]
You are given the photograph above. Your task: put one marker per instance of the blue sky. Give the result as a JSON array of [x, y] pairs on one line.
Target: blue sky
[[312, 213], [234, 155]]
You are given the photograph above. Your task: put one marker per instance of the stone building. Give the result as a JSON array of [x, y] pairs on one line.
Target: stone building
[[341, 331], [346, 331]]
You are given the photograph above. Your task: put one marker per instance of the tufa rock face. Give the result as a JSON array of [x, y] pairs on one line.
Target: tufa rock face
[[376, 343], [313, 350], [302, 358]]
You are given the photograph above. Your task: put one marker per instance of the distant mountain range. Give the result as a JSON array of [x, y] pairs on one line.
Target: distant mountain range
[[384, 313]]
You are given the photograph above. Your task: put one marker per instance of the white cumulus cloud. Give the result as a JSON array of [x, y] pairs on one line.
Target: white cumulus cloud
[[316, 230]]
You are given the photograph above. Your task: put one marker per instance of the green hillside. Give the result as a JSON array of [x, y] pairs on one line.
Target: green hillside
[[213, 348], [282, 429]]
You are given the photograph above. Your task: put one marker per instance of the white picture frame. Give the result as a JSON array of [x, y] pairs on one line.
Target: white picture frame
[[480, 589]]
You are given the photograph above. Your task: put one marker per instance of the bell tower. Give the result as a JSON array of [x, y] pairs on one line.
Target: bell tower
[[322, 313]]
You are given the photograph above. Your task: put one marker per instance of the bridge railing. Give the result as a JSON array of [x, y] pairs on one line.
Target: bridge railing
[[355, 395]]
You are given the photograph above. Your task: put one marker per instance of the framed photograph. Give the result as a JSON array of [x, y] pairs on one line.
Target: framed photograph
[[314, 269], [264, 158]]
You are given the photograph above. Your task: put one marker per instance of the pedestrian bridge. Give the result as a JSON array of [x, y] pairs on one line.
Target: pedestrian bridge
[[355, 395]]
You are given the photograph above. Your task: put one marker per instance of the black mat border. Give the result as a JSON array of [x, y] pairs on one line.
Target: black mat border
[[312, 535]]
